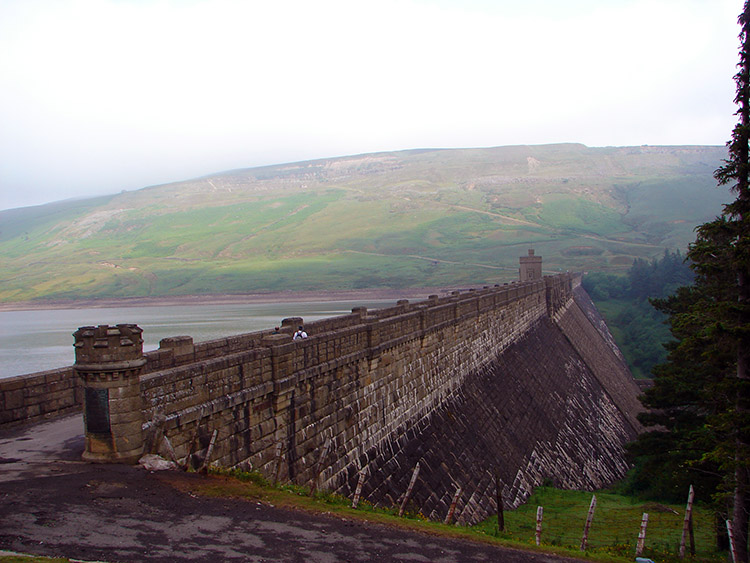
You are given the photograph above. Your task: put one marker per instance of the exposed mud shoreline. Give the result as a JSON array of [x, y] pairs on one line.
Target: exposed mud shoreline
[[226, 298]]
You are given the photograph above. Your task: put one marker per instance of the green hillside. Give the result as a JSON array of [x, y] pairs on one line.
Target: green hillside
[[402, 219]]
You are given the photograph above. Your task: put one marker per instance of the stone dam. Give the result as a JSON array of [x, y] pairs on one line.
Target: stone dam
[[513, 384]]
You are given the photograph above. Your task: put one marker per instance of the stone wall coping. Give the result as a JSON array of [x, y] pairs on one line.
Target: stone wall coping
[[18, 381], [463, 305], [189, 370], [432, 303]]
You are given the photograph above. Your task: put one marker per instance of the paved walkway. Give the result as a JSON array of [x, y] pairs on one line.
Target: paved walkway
[[51, 503], [46, 448]]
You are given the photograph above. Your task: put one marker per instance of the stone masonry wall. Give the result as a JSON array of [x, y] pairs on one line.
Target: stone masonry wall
[[36, 396], [469, 386], [276, 406], [597, 350], [536, 412], [30, 398], [514, 380]]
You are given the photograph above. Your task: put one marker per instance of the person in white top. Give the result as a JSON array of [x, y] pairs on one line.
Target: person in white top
[[299, 334]]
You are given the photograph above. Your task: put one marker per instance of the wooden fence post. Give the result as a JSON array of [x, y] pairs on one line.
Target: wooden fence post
[[409, 489], [193, 438], [686, 524], [452, 508], [277, 455], [539, 516], [731, 542], [358, 490], [499, 494], [204, 466], [642, 535], [171, 453], [319, 465], [589, 519], [692, 536]]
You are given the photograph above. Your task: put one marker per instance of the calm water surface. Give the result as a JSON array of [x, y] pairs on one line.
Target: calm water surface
[[33, 341]]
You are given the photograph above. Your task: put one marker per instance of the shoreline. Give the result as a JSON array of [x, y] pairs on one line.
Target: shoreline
[[225, 299]]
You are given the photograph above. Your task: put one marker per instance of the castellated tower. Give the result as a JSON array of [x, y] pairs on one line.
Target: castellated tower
[[531, 267], [109, 360]]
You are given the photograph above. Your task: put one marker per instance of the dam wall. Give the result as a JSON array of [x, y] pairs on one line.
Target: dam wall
[[37, 396], [512, 384], [356, 380]]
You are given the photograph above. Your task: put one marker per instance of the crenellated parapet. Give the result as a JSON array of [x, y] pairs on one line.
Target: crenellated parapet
[[109, 351]]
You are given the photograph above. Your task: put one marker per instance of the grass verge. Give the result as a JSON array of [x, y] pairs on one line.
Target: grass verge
[[612, 536]]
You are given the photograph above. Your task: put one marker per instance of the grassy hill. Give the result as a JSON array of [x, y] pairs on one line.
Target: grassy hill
[[401, 219]]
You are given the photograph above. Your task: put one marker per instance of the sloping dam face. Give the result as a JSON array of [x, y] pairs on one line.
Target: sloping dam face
[[558, 404]]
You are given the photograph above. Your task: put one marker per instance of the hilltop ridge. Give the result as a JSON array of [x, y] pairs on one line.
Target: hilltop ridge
[[413, 218]]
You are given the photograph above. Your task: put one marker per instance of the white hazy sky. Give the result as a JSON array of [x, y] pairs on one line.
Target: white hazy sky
[[97, 96]]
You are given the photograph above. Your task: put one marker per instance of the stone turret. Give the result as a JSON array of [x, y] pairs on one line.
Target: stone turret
[[531, 267], [109, 360]]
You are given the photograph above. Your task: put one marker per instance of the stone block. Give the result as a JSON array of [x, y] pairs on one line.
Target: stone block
[[125, 428], [62, 404], [98, 445], [127, 417], [51, 398], [125, 405], [57, 375], [61, 385], [15, 383], [8, 416], [14, 399]]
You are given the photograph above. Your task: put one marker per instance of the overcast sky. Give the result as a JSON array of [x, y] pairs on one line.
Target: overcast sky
[[97, 96]]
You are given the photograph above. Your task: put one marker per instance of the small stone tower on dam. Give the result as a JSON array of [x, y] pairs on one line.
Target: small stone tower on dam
[[531, 267], [519, 381]]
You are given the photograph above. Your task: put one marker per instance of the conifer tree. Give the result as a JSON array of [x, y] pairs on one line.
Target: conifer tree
[[702, 394], [735, 222]]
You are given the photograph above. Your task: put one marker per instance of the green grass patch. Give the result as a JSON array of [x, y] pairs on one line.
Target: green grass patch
[[612, 536], [308, 225], [615, 526], [580, 215]]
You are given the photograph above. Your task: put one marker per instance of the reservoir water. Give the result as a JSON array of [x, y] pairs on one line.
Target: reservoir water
[[32, 341]]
